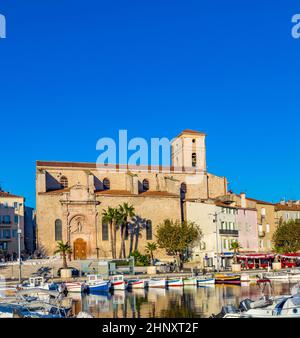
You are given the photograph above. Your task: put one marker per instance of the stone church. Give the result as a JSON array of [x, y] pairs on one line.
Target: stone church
[[71, 198]]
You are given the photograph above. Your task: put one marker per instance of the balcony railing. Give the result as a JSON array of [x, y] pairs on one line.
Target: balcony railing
[[229, 232]]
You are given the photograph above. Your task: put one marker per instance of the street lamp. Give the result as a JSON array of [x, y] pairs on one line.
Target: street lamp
[[216, 214], [19, 242]]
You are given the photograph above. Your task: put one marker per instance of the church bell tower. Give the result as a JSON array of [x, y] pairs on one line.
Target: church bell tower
[[189, 152]]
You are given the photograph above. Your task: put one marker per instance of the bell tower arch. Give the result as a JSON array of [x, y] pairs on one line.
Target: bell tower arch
[[189, 151]]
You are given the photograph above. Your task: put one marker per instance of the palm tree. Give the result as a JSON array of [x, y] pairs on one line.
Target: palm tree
[[112, 216], [63, 249], [150, 248], [125, 212], [235, 246]]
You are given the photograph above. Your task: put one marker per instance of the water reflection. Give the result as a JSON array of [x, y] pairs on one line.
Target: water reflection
[[176, 302]]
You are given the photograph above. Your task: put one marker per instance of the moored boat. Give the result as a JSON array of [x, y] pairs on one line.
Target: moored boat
[[76, 287], [204, 281], [175, 282], [118, 282], [96, 283], [136, 284], [227, 279], [190, 281], [37, 282], [157, 283]]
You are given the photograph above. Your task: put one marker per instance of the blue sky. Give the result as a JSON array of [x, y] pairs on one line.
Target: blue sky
[[74, 71]]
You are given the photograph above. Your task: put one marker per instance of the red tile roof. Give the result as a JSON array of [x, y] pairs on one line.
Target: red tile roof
[[286, 207], [7, 194], [117, 167], [258, 201]]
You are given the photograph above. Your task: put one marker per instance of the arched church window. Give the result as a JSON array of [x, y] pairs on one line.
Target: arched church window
[[58, 230], [106, 184], [145, 185], [64, 182], [194, 160]]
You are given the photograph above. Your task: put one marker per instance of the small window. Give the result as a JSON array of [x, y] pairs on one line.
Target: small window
[[145, 185], [149, 230], [16, 219], [6, 219], [64, 182], [106, 184], [194, 160], [6, 234], [267, 228], [104, 231], [58, 230], [15, 233]]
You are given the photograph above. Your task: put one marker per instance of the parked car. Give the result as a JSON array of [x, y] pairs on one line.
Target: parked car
[[157, 262], [75, 272]]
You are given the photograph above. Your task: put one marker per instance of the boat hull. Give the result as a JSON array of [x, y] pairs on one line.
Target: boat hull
[[139, 284], [190, 282], [175, 283], [227, 279], [74, 287], [205, 281], [99, 287], [157, 283], [119, 285]]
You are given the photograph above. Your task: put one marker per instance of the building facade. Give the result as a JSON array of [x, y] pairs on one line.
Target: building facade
[[71, 197], [12, 211], [222, 222], [287, 211]]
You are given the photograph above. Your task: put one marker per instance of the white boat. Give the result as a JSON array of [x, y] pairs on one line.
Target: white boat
[[190, 281], [118, 282], [96, 283], [204, 281], [282, 307], [175, 282], [37, 282], [157, 283], [76, 287], [276, 275], [136, 284]]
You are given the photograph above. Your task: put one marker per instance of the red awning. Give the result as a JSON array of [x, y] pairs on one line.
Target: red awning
[[255, 256]]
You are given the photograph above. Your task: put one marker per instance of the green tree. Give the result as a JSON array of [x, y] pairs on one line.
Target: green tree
[[150, 248], [235, 246], [286, 238], [112, 217], [63, 249], [177, 237], [125, 212], [139, 259]]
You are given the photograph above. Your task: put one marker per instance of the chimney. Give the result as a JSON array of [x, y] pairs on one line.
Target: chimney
[[243, 200]]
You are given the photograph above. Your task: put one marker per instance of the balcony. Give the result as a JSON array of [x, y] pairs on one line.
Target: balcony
[[229, 232], [261, 234], [5, 223]]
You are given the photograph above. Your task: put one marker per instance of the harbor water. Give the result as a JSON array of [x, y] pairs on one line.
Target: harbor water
[[175, 302]]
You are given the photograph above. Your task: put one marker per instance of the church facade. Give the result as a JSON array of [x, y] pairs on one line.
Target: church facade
[[71, 198]]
